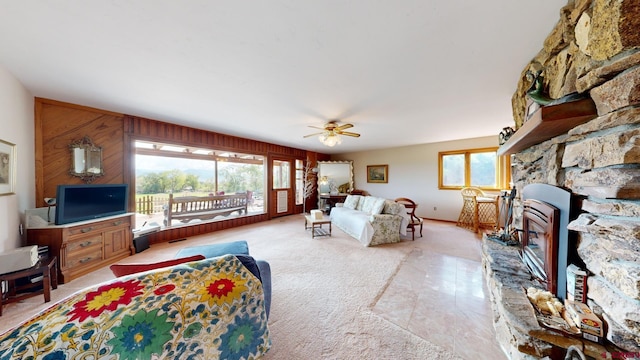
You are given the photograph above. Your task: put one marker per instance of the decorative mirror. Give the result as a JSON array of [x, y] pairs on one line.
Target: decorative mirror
[[335, 177], [86, 160]]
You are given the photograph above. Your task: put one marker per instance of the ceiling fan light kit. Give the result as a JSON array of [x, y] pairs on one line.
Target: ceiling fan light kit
[[331, 131], [330, 139]]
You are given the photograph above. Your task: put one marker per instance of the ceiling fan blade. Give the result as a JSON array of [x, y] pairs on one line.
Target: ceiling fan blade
[[347, 133], [344, 126], [314, 134], [316, 127]]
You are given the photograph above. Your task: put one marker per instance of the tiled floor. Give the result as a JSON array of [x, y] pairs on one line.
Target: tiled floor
[[440, 295]]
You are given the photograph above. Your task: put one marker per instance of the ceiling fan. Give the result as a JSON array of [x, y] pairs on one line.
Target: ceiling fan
[[331, 131]]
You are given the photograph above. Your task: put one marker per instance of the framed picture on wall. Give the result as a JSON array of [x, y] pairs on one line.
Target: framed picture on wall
[[7, 168], [377, 173]]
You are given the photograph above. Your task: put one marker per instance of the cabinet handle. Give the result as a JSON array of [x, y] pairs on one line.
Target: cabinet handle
[[86, 230], [84, 260], [116, 223], [85, 244]]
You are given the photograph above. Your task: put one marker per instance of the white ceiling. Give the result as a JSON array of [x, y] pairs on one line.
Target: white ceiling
[[403, 72]]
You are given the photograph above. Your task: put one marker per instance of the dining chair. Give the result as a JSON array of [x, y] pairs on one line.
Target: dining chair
[[414, 220]]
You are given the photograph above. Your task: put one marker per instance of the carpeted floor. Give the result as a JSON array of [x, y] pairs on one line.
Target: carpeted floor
[[323, 292]]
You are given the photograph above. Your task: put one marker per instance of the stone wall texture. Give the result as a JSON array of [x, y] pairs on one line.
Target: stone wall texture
[[595, 50]]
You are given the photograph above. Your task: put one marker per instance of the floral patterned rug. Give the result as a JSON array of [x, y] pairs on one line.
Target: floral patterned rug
[[209, 309]]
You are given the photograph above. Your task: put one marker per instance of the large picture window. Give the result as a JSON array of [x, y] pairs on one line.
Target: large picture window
[[164, 169], [481, 168]]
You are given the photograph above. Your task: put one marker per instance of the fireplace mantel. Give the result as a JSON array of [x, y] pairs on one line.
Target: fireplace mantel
[[548, 122]]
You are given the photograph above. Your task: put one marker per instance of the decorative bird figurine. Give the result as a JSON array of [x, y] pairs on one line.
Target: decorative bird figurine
[[536, 91]]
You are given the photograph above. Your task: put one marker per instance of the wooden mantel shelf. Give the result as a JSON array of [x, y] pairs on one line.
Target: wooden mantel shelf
[[547, 122]]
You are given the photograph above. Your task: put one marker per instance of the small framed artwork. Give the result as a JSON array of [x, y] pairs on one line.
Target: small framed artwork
[[377, 173], [7, 168]]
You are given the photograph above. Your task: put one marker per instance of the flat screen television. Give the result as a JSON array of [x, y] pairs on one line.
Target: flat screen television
[[90, 201]]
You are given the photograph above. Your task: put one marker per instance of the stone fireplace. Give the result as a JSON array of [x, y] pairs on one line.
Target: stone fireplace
[[594, 50]]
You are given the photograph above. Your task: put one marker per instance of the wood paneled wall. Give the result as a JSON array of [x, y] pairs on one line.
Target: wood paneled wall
[[161, 131], [58, 124]]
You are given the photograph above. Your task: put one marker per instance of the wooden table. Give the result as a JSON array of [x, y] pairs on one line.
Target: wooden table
[[46, 268], [329, 201], [316, 226]]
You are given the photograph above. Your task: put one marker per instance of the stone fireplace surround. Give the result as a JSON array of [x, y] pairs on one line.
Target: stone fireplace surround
[[593, 50]]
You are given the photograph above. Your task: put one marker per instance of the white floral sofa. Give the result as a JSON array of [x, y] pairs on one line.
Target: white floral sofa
[[371, 220]]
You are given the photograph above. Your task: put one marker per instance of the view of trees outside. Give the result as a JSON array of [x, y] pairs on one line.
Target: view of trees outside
[[482, 168], [173, 175], [453, 170], [158, 176]]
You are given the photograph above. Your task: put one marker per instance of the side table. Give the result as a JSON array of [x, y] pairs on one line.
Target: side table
[[316, 226], [47, 268]]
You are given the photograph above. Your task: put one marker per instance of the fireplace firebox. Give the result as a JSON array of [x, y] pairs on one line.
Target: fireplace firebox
[[539, 243], [545, 247]]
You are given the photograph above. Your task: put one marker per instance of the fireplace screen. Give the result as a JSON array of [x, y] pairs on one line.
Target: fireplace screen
[[540, 241]]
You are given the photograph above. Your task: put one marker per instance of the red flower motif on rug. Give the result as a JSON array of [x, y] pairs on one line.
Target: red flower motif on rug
[[164, 289], [107, 297]]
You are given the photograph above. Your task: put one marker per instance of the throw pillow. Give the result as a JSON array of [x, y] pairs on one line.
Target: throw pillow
[[377, 207], [250, 263], [128, 269], [351, 202]]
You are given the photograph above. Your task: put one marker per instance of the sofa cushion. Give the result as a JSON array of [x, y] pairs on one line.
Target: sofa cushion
[[377, 207], [351, 202], [369, 202], [128, 269], [393, 208], [213, 250]]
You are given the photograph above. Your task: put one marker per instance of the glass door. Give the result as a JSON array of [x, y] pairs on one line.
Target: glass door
[[282, 195]]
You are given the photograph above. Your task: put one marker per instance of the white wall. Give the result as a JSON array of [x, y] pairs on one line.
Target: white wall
[[17, 127], [413, 173]]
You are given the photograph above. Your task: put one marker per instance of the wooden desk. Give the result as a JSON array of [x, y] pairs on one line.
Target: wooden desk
[[330, 201], [46, 268]]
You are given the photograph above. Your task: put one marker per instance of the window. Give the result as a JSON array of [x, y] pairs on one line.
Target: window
[[481, 168], [281, 174], [299, 182], [163, 169]]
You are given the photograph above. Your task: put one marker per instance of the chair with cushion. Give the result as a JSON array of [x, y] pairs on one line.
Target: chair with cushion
[[479, 210], [415, 220]]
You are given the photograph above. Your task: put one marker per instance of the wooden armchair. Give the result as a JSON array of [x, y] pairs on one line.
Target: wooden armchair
[[414, 220]]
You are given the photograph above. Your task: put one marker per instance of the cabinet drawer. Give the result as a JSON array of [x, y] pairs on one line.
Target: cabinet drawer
[[98, 226], [85, 258], [84, 243]]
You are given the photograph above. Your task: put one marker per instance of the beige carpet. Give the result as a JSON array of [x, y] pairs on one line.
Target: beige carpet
[[323, 292]]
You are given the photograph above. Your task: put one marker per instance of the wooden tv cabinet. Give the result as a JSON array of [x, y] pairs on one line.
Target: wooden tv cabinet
[[85, 246]]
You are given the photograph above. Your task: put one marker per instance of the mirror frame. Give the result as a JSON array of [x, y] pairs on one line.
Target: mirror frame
[[87, 157], [349, 174]]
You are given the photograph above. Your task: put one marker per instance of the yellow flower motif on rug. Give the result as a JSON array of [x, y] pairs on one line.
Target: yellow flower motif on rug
[[224, 290]]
